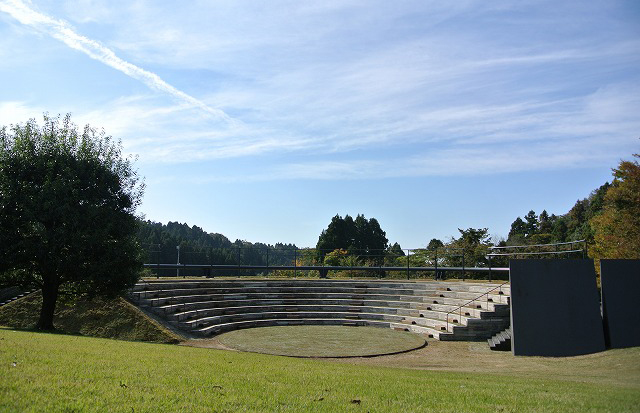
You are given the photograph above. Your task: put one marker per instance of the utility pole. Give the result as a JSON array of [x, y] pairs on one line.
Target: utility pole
[[178, 268]]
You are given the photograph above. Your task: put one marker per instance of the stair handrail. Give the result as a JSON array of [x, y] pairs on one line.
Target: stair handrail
[[471, 301], [583, 249], [580, 241]]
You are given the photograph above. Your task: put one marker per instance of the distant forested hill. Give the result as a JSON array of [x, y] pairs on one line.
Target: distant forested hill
[[572, 226], [160, 243], [608, 219]]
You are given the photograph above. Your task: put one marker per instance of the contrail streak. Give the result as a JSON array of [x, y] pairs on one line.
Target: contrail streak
[[65, 33]]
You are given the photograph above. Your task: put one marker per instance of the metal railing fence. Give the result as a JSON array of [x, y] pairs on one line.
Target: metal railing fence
[[437, 262]]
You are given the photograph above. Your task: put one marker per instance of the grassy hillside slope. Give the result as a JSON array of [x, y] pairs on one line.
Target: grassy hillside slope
[[99, 317]]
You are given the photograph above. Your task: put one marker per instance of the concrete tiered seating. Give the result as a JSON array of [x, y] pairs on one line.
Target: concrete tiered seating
[[501, 341], [440, 309], [10, 294]]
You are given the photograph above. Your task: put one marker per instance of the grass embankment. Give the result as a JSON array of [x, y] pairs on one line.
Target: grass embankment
[[50, 372], [99, 317]]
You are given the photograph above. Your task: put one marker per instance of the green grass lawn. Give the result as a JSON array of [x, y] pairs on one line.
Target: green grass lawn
[[50, 372], [321, 341]]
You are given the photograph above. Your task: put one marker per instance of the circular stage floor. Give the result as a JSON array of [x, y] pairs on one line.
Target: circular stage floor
[[321, 341]]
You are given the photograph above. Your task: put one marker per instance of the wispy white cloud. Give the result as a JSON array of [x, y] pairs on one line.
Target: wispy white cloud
[[362, 91], [12, 112], [456, 161], [62, 31], [333, 103]]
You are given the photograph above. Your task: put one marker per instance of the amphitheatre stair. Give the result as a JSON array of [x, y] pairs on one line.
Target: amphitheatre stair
[[10, 294], [501, 341], [444, 310]]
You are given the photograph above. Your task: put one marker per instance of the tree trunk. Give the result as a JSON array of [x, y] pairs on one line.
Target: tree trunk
[[49, 298]]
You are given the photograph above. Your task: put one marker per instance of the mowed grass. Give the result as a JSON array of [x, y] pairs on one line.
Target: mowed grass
[[321, 341], [49, 372]]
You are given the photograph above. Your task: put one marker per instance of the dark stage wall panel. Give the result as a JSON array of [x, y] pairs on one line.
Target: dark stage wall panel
[[620, 284], [555, 308]]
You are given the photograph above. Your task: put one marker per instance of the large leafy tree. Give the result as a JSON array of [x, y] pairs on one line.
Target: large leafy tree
[[340, 234], [617, 228], [434, 244], [544, 222], [518, 231], [473, 244], [370, 240], [531, 223], [360, 237], [67, 212]]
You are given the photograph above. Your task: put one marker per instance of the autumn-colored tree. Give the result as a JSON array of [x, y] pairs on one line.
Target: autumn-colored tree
[[617, 228], [336, 257]]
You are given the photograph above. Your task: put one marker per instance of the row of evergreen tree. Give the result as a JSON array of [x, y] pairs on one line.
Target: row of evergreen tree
[[572, 226], [608, 220], [160, 243]]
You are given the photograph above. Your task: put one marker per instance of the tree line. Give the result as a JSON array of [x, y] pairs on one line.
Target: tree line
[[160, 242], [608, 220]]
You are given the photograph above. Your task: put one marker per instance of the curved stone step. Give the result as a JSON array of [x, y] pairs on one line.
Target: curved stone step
[[204, 305], [163, 293], [217, 311], [163, 284], [163, 301], [222, 328], [213, 306], [233, 318]]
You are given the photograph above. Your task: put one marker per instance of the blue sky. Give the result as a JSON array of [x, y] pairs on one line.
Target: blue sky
[[261, 120]]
